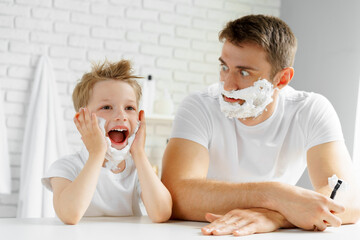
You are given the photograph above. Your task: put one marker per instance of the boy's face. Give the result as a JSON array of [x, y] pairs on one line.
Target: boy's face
[[241, 66], [115, 101]]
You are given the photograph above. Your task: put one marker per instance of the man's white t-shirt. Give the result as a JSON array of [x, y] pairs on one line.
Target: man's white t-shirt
[[274, 150], [115, 194]]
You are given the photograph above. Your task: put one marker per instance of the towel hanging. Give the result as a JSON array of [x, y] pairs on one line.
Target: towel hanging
[[44, 142]]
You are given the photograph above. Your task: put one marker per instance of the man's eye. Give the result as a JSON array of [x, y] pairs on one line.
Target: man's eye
[[244, 73], [106, 107], [223, 68]]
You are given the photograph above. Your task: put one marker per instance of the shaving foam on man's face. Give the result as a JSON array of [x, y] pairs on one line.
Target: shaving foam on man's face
[[113, 155], [255, 98]]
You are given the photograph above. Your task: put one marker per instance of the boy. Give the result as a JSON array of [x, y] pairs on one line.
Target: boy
[[81, 183]]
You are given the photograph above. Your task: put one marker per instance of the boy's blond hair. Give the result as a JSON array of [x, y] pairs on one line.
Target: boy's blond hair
[[119, 71]]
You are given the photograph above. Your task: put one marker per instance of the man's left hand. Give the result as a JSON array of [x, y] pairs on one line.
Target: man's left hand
[[241, 222]]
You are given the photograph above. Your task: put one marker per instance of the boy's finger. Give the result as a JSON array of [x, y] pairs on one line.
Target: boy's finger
[[141, 116], [142, 119], [77, 115], [76, 121], [86, 114], [81, 115], [77, 124], [94, 121], [87, 117]]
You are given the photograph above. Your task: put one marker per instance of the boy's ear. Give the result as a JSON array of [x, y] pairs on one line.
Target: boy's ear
[[285, 77]]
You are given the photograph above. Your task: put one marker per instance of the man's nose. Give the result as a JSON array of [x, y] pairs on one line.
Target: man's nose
[[231, 82]]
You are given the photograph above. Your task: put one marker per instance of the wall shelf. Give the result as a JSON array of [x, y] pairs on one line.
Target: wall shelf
[[159, 118]]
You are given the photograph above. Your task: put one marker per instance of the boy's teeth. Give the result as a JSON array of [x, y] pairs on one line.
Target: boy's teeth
[[119, 130]]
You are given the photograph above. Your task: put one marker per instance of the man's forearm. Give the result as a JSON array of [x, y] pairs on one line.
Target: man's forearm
[[193, 198], [303, 208]]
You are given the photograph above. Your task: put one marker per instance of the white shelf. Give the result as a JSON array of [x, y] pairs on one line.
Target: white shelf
[[159, 117]]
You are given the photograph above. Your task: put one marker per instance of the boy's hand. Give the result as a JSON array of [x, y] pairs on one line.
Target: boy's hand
[[91, 135], [138, 146]]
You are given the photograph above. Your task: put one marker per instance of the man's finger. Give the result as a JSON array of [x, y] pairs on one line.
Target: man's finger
[[210, 217], [320, 226], [336, 207], [246, 230], [216, 222], [333, 220], [232, 225]]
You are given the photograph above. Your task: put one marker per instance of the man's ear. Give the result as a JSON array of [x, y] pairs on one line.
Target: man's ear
[[285, 77]]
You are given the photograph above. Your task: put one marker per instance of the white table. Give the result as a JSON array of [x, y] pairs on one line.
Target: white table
[[116, 228]]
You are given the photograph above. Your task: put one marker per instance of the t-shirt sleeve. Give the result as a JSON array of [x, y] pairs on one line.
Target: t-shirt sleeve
[[67, 167], [323, 124], [192, 121]]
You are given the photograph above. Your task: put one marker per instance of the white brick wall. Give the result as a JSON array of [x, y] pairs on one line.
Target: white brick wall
[[175, 41]]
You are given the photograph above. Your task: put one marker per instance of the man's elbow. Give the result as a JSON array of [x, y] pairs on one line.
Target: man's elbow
[[352, 212], [176, 200]]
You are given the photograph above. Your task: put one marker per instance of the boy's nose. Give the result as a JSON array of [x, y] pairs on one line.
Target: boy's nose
[[120, 115]]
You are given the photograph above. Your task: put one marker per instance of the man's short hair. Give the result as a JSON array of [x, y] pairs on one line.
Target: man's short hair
[[119, 71], [271, 33]]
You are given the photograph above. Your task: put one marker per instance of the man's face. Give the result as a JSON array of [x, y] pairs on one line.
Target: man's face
[[241, 66], [115, 101]]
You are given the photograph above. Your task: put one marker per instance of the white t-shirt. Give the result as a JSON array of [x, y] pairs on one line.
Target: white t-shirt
[[274, 150], [115, 194]]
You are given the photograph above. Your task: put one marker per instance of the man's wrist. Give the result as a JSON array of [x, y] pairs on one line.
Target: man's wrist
[[269, 195]]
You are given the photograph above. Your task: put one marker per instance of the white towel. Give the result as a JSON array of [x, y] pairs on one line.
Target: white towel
[[44, 142], [5, 176]]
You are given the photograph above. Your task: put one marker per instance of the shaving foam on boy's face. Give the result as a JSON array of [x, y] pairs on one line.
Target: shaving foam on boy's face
[[255, 98], [113, 155]]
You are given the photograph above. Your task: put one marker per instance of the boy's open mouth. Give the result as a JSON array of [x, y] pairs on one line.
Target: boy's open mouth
[[118, 135]]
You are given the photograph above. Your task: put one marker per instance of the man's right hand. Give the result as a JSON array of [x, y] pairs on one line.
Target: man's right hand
[[307, 209]]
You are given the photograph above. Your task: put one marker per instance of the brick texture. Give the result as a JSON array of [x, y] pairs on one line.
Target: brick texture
[[174, 41]]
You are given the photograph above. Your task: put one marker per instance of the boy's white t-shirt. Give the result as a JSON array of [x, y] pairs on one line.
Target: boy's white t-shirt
[[115, 194], [274, 150]]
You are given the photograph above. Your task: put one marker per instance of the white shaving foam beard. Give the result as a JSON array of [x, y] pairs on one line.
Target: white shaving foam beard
[[256, 99], [113, 155]]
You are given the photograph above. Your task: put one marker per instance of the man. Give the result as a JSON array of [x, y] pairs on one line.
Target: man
[[238, 148]]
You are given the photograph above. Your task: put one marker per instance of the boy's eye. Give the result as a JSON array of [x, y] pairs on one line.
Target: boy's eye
[[106, 107], [223, 68], [130, 108], [244, 73]]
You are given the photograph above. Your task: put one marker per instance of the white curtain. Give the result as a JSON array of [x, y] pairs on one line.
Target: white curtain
[[5, 175], [44, 142]]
